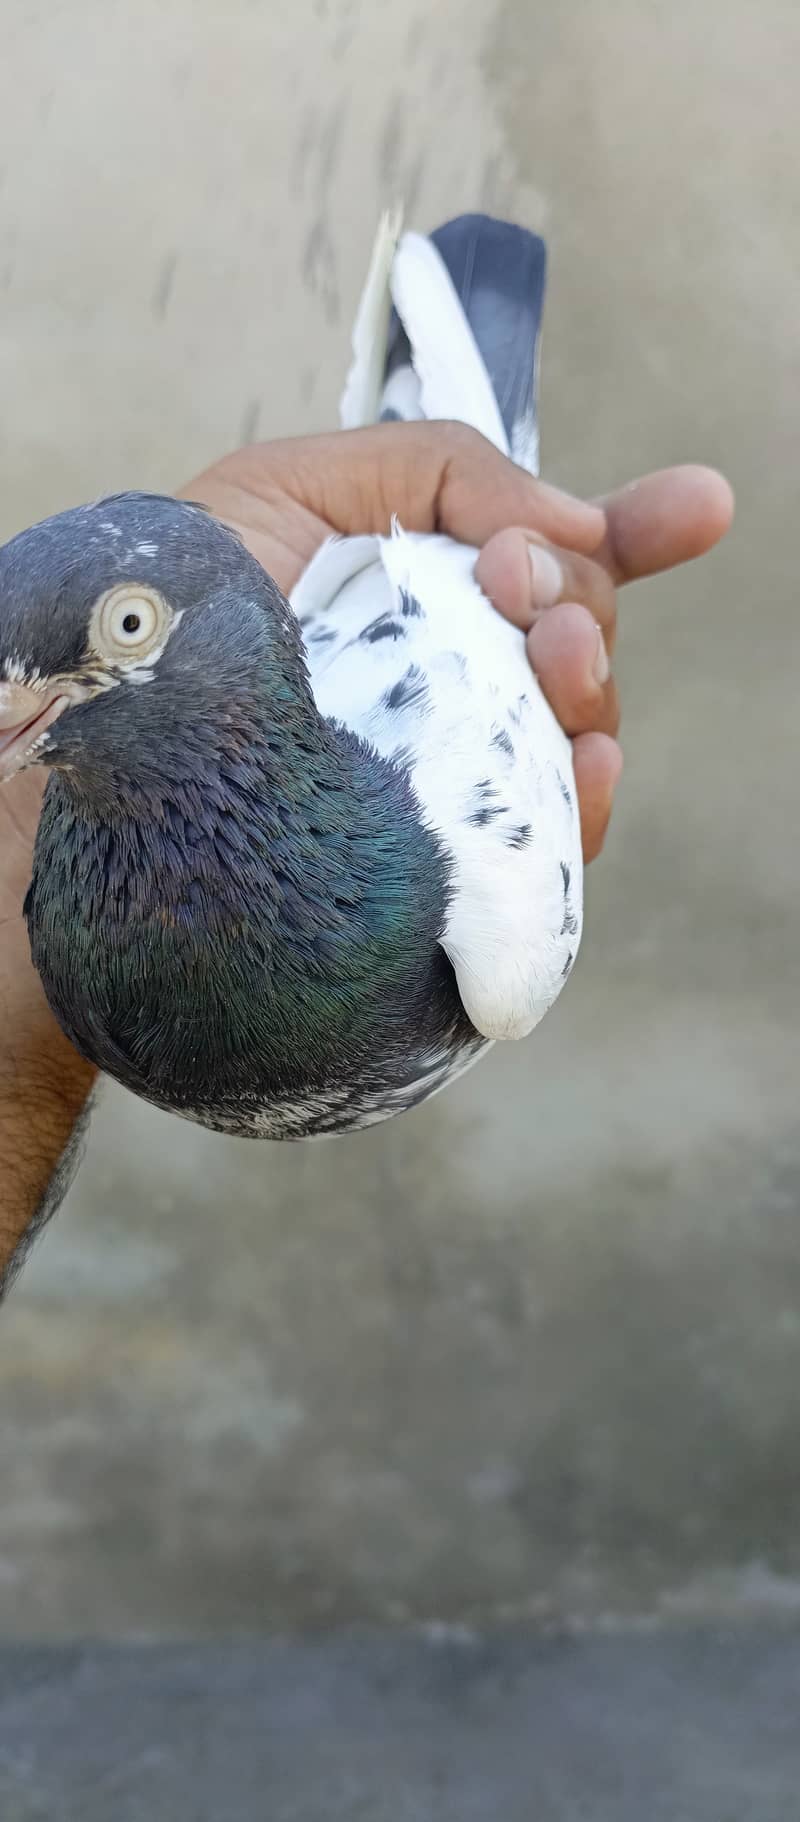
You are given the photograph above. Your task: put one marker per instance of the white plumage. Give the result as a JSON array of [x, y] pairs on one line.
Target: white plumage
[[404, 649]]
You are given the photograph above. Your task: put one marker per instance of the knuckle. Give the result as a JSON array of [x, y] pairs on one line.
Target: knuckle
[[594, 709], [460, 437], [580, 714]]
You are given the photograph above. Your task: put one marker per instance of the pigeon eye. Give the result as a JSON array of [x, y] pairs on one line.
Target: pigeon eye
[[129, 622]]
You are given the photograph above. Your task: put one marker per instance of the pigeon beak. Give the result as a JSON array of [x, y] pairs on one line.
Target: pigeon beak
[[24, 715]]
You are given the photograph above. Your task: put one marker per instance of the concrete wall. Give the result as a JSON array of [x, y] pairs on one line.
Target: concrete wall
[[535, 1351]]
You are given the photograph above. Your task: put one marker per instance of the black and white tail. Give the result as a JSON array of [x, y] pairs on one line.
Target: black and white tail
[[449, 326]]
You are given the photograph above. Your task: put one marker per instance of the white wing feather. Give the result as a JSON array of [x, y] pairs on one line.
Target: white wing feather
[[405, 650], [447, 361], [361, 399], [491, 769]]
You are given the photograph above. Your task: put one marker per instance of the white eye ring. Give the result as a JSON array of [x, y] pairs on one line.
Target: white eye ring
[[129, 622]]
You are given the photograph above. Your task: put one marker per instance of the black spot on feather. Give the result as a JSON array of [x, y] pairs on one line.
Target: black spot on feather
[[486, 810], [503, 742], [382, 628], [570, 924], [479, 818], [565, 792], [410, 607], [323, 637], [411, 689], [402, 757], [519, 837]]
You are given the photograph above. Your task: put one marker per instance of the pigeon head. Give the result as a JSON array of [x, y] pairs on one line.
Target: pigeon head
[[122, 620]]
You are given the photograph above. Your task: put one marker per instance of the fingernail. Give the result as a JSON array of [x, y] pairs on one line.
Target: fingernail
[[601, 669], [548, 580]]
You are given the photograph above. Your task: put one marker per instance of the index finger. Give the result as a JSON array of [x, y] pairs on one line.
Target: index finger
[[434, 477], [480, 492]]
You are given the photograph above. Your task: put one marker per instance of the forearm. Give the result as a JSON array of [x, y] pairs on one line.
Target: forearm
[[44, 1087]]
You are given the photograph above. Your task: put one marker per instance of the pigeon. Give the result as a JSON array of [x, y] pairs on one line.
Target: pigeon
[[300, 864]]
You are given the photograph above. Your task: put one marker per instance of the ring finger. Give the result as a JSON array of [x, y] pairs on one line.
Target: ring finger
[[567, 651]]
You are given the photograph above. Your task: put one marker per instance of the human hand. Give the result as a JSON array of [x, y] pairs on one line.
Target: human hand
[[549, 562]]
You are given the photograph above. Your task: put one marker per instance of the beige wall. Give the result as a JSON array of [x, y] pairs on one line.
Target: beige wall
[[536, 1350]]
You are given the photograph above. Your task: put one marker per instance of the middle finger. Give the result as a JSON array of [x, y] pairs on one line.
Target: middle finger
[[524, 576]]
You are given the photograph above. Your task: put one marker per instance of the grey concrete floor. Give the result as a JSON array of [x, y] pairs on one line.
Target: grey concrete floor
[[697, 1728], [532, 1355]]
